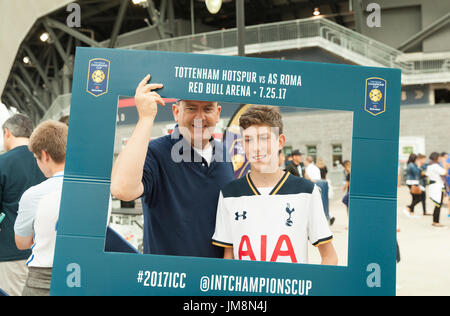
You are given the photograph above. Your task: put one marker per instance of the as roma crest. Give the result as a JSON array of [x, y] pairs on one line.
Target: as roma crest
[[98, 76], [375, 102]]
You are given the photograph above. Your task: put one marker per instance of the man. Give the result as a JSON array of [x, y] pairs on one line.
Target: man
[[178, 176], [296, 166], [38, 214], [312, 172], [18, 172]]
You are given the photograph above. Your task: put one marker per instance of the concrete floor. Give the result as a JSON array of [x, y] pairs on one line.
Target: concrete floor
[[425, 250]]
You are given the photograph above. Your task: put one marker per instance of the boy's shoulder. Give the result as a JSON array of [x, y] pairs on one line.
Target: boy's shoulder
[[296, 185], [237, 188], [39, 190], [291, 185]]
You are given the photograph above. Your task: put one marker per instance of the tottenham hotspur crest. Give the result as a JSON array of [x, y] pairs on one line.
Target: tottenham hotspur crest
[[289, 221]]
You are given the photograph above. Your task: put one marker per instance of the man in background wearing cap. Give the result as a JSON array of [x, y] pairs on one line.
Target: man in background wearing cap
[[296, 166], [178, 176]]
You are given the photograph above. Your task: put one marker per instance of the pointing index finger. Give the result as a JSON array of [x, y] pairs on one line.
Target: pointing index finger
[[151, 86], [144, 81]]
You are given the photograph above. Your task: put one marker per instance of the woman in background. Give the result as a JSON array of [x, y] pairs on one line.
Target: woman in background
[[347, 169], [436, 190], [413, 181], [325, 189]]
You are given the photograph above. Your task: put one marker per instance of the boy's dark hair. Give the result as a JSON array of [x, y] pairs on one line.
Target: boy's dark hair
[[262, 114]]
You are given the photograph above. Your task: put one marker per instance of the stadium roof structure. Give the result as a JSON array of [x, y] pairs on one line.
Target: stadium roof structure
[[39, 41], [34, 72]]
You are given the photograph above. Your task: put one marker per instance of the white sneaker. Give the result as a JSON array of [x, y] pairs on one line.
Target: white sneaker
[[406, 212]]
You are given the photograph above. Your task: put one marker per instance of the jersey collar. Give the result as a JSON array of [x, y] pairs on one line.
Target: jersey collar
[[275, 189]]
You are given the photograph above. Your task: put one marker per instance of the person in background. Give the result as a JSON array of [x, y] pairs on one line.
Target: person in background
[[38, 214], [443, 161], [312, 172], [413, 174], [447, 181], [346, 188], [423, 181], [443, 158], [296, 166], [324, 183], [18, 172], [289, 157], [323, 168], [325, 189], [436, 191]]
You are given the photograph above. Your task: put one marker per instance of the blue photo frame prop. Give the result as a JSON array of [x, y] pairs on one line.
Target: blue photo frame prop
[[82, 267]]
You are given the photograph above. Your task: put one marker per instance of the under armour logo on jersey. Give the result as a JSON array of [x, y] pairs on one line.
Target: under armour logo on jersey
[[289, 221], [243, 215]]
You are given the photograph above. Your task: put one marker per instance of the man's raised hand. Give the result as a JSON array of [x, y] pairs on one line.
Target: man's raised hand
[[147, 100]]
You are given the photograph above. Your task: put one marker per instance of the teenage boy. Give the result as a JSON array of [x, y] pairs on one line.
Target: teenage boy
[[37, 219], [269, 215]]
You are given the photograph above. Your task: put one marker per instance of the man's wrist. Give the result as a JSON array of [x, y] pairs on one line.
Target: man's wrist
[[146, 119]]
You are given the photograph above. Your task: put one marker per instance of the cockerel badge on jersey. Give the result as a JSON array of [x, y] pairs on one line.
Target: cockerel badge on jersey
[[375, 102], [98, 76]]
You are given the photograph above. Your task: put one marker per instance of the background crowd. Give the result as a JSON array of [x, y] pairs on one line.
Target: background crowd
[[434, 174]]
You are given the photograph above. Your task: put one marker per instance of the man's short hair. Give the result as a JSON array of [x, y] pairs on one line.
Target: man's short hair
[[19, 125], [262, 115], [50, 136]]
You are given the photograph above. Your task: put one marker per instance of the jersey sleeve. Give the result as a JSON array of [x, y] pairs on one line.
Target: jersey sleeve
[[318, 229], [222, 236], [24, 225]]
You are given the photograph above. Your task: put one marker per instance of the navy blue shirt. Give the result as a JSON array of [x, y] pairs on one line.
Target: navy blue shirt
[[181, 193], [18, 172]]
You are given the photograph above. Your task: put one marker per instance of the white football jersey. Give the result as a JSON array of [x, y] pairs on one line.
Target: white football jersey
[[274, 227]]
